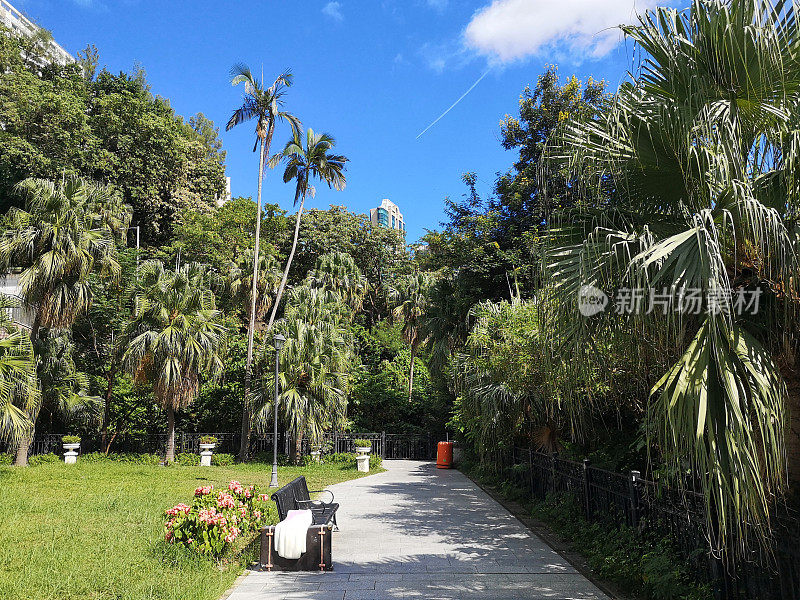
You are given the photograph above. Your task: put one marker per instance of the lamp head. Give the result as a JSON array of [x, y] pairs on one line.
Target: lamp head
[[279, 341]]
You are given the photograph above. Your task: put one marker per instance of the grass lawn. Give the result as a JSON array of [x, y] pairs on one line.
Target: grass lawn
[[94, 531]]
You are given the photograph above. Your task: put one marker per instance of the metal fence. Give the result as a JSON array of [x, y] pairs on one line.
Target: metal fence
[[629, 499], [388, 445]]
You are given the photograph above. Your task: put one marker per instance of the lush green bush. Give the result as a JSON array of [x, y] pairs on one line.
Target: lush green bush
[[133, 458], [223, 460], [43, 459], [187, 459], [71, 439], [215, 520], [266, 458], [362, 443], [5, 459], [375, 461], [208, 439], [644, 565], [346, 459]]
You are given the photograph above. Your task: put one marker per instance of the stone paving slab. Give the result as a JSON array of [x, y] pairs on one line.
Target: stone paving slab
[[417, 532]]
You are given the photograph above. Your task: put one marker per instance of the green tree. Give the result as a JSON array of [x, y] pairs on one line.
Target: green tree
[[63, 236], [19, 391], [411, 302], [700, 151], [305, 162], [315, 365], [265, 106], [174, 337], [338, 272]]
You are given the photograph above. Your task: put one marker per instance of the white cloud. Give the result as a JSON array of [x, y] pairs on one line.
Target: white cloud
[[508, 30], [333, 10]]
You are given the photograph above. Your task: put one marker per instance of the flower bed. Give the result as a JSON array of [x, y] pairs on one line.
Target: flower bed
[[217, 518]]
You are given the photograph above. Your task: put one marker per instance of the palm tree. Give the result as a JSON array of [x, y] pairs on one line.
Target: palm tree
[[238, 282], [313, 381], [64, 234], [173, 338], [304, 162], [697, 159], [19, 391], [265, 106], [411, 305], [339, 273]]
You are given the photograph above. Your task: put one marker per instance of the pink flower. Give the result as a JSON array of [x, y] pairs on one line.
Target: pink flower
[[204, 490], [168, 536], [235, 487], [225, 500], [257, 514], [179, 509], [263, 497], [234, 532], [243, 511]]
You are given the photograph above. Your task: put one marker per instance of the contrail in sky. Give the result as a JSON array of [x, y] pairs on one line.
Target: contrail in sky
[[452, 106]]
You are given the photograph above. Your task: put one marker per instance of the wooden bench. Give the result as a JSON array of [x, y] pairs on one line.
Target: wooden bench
[[296, 496]]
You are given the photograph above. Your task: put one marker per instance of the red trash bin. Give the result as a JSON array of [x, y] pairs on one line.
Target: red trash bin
[[444, 455]]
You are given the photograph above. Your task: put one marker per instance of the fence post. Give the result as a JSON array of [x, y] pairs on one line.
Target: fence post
[[633, 488], [336, 441], [587, 489], [383, 445]]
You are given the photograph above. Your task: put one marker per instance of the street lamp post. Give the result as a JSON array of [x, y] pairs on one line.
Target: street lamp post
[[279, 341]]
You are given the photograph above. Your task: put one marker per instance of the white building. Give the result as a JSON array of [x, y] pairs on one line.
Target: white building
[[21, 25], [9, 286], [387, 215], [220, 201]]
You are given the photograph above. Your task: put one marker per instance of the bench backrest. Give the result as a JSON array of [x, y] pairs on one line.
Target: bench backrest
[[286, 498]]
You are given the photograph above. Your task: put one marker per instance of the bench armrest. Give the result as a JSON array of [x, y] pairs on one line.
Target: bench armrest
[[323, 492]]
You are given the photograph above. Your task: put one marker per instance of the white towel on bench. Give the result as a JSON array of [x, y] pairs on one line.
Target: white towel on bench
[[290, 534]]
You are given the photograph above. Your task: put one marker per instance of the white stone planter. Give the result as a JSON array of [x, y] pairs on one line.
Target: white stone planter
[[315, 455], [363, 449], [363, 463], [206, 451], [70, 453]]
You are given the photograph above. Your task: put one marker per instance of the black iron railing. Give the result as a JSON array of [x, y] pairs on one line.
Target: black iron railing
[[629, 499]]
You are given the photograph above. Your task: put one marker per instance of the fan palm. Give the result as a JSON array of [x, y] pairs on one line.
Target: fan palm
[[64, 234], [19, 391], [173, 338], [698, 157], [265, 106], [238, 282], [304, 162], [313, 380], [411, 305], [339, 273]]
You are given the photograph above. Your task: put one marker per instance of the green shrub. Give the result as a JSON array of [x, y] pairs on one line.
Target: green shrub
[[346, 459], [375, 461], [266, 458], [43, 459], [187, 459], [5, 459], [223, 460], [362, 443], [208, 439], [71, 439], [133, 458]]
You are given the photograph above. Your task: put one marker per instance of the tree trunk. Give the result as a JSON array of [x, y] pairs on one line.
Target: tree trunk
[[105, 443], [791, 376], [244, 443], [170, 457], [298, 447], [411, 373], [288, 263], [21, 460]]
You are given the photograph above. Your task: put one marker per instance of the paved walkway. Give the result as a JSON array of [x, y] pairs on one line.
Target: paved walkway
[[426, 533]]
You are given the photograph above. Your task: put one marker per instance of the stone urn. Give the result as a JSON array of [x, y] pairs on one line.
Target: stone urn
[[71, 452], [362, 458], [206, 452], [315, 455]]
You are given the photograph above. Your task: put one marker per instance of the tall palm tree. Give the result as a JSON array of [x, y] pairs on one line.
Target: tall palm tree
[[173, 338], [411, 305], [306, 161], [19, 391], [64, 234], [265, 106], [697, 159], [313, 380]]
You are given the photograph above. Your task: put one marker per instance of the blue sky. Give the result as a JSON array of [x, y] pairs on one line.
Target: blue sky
[[373, 73]]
